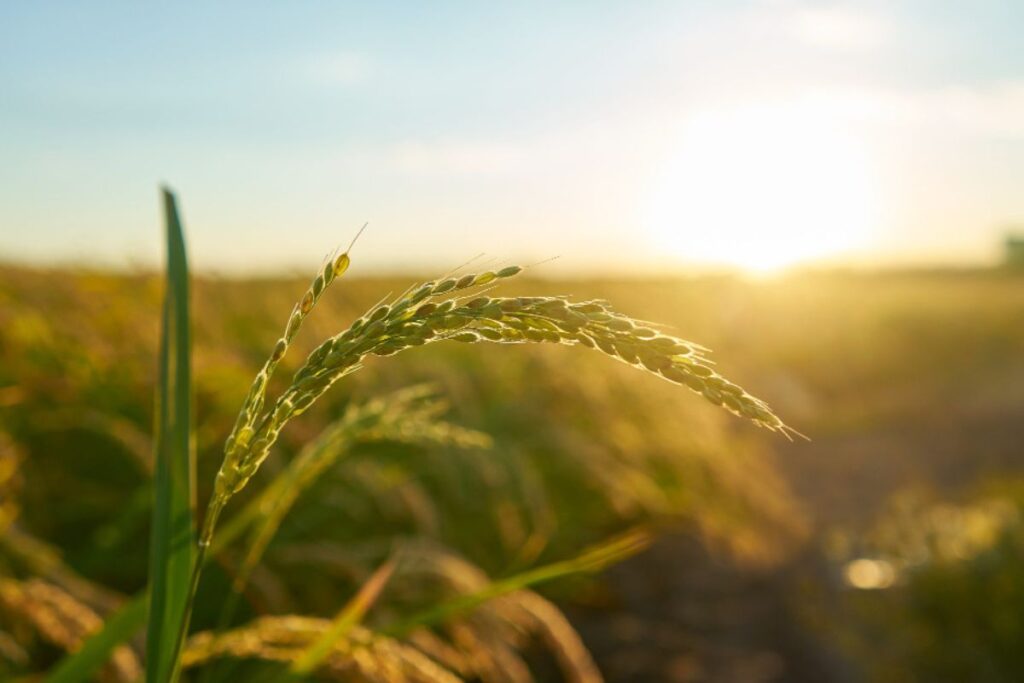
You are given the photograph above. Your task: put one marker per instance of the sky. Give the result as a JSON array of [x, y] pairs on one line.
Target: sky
[[616, 136]]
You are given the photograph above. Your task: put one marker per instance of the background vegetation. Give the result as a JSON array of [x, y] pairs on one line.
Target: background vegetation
[[911, 385]]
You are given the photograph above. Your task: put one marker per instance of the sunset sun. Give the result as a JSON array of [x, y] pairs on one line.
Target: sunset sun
[[762, 188]]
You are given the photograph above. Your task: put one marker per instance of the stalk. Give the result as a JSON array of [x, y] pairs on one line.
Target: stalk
[[213, 511]]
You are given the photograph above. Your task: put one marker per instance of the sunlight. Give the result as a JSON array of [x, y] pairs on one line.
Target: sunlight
[[763, 188]]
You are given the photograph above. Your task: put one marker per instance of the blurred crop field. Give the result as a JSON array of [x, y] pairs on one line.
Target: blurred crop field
[[888, 547]]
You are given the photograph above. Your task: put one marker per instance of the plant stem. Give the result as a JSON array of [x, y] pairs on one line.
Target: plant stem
[[205, 538]]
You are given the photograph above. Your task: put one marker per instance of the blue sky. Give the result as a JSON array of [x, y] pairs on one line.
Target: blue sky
[[615, 135]]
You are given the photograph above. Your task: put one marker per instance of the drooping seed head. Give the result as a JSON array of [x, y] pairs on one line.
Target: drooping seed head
[[410, 322]]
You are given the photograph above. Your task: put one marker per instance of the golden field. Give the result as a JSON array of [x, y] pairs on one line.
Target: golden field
[[910, 386]]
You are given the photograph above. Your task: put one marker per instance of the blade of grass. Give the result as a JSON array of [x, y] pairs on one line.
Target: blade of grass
[[172, 541], [82, 664], [350, 615], [96, 651], [593, 559]]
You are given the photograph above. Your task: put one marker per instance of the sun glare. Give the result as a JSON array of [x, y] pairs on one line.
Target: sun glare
[[763, 188]]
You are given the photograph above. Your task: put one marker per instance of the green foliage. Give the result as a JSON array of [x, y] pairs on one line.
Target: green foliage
[[172, 543]]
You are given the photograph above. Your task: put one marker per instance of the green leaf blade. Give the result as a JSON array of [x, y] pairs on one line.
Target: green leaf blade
[[172, 543], [97, 649]]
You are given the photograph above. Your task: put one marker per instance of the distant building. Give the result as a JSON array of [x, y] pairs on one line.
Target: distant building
[[1014, 254]]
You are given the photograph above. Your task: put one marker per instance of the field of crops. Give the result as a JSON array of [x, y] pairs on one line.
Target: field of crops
[[852, 556]]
